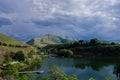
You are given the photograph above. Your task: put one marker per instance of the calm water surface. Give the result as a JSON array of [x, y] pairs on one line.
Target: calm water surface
[[99, 68]]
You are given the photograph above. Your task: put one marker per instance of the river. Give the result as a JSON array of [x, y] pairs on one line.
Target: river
[[98, 68]]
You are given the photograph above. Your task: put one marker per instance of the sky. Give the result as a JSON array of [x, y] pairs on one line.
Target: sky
[[80, 19]]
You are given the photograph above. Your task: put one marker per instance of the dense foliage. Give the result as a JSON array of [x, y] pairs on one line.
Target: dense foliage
[[31, 54], [11, 70], [82, 48], [19, 56], [64, 52], [17, 62], [56, 74]]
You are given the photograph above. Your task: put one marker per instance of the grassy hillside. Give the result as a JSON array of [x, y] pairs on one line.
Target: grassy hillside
[[9, 40], [12, 45], [48, 39]]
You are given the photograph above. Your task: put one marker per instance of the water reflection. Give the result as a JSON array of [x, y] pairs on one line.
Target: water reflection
[[116, 71], [99, 68], [98, 63]]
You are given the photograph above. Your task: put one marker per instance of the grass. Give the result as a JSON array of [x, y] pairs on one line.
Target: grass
[[6, 49], [48, 39], [9, 40]]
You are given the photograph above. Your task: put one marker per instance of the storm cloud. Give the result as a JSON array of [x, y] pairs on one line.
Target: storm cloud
[[5, 21], [82, 19]]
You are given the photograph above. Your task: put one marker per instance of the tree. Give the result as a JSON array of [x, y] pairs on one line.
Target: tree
[[17, 46], [31, 53], [4, 44], [56, 74], [11, 70], [91, 78], [10, 45], [94, 42], [65, 53], [19, 56], [69, 52], [113, 43], [81, 41], [0, 43]]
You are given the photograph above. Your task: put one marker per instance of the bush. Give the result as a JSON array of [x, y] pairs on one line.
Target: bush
[[65, 52], [11, 70], [19, 56], [4, 44], [94, 42], [0, 43], [56, 74], [31, 54], [10, 45], [17, 46]]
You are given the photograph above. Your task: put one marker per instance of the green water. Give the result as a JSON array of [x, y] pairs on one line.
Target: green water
[[98, 68]]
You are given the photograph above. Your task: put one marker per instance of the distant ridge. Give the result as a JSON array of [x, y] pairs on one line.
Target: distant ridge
[[49, 39]]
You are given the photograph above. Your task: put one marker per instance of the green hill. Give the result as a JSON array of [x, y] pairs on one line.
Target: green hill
[[8, 40], [8, 44], [48, 39]]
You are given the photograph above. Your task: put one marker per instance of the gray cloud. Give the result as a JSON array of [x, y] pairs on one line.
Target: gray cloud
[[77, 18], [5, 21]]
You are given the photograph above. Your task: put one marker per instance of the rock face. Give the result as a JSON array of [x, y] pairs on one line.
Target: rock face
[[49, 39]]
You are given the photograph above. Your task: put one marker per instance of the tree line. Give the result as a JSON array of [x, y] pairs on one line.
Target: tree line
[[81, 48], [11, 45]]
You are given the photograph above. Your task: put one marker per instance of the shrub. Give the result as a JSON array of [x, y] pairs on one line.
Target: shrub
[[94, 42], [56, 74], [19, 56], [4, 44], [17, 46], [10, 45], [0, 43], [31, 53], [11, 70], [65, 52]]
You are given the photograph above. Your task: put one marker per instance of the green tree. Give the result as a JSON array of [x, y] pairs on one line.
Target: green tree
[[113, 43], [81, 41], [91, 78], [23, 77], [11, 70], [0, 43], [31, 54], [65, 52], [19, 56], [10, 45], [4, 44], [56, 74], [94, 41]]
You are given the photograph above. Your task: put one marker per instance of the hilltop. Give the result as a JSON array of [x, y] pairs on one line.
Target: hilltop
[[49, 39]]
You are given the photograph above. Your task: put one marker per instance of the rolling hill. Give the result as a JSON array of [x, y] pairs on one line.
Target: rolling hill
[[49, 39], [8, 40], [8, 44]]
